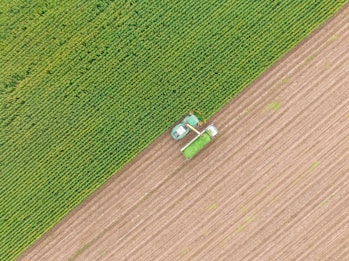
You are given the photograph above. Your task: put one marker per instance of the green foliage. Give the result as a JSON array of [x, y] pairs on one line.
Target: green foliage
[[197, 145], [86, 85]]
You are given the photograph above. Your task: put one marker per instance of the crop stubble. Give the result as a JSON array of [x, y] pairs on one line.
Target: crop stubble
[[273, 185]]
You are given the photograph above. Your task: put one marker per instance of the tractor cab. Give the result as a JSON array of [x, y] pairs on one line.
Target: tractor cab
[[182, 129], [179, 132]]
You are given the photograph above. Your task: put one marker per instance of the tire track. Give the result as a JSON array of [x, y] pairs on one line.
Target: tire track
[[307, 210], [328, 233]]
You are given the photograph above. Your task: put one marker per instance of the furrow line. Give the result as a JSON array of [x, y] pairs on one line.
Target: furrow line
[[265, 255], [328, 237], [338, 249], [225, 230], [342, 221], [307, 209], [291, 247]]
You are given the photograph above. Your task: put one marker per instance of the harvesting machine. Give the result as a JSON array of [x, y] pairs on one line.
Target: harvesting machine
[[191, 122]]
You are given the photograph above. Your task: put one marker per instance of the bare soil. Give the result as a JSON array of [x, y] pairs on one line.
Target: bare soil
[[274, 185]]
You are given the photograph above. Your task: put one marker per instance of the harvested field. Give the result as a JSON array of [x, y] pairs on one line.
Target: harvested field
[[273, 186]]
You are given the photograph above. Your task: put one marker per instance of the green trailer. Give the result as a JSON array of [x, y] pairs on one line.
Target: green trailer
[[199, 142]]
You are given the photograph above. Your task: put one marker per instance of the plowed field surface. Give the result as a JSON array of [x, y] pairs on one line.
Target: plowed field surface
[[274, 185]]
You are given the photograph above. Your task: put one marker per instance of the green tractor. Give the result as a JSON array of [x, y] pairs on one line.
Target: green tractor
[[190, 122]]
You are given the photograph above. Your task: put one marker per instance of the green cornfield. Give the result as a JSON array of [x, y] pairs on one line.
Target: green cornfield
[[86, 85]]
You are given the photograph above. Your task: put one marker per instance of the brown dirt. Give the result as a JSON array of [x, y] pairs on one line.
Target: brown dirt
[[273, 186]]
